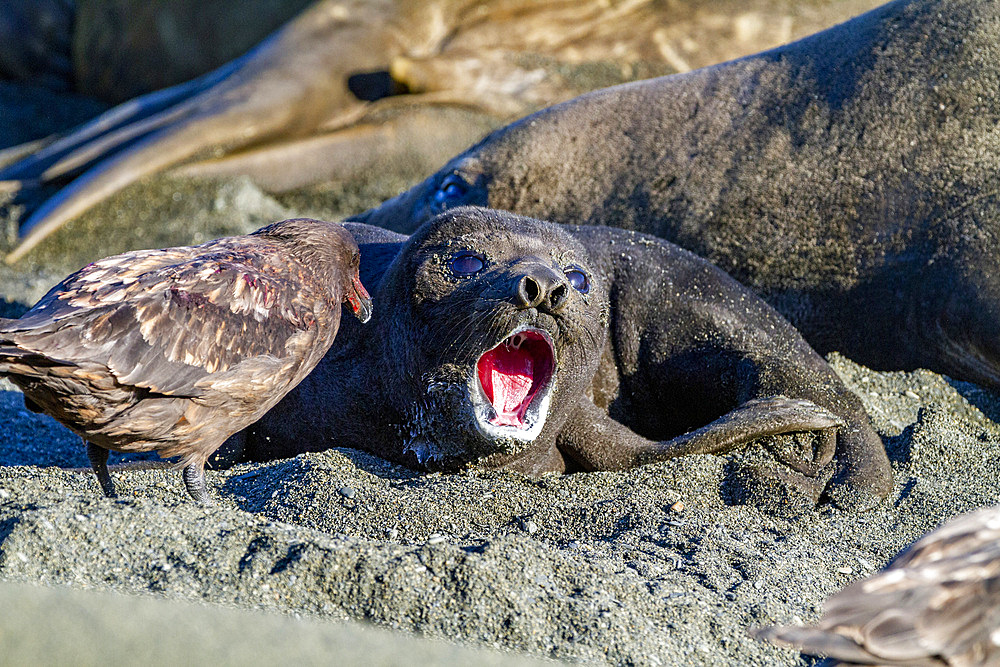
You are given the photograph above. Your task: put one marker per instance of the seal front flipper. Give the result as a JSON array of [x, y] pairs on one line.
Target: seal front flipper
[[597, 442]]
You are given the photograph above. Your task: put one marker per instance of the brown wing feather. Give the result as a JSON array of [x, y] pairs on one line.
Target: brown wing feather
[[938, 603], [163, 320]]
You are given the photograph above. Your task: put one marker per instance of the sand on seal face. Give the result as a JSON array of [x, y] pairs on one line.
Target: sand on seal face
[[579, 567]]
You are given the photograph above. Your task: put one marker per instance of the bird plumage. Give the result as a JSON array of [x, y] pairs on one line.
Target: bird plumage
[[936, 605], [174, 350]]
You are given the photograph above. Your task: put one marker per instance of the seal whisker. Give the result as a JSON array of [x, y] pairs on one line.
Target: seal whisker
[[494, 332], [468, 324], [467, 327]]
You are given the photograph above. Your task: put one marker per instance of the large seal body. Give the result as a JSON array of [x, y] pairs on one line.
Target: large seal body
[[318, 100], [848, 178], [503, 341]]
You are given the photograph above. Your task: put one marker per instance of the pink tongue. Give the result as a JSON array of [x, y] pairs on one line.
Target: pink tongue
[[507, 376]]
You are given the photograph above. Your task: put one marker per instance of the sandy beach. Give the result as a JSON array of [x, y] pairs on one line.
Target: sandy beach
[[668, 564], [589, 567]]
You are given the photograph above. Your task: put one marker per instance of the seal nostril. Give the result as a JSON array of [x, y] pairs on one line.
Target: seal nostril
[[372, 86], [557, 297], [528, 291], [532, 289]]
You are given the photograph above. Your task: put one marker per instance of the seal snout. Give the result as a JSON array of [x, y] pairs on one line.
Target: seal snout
[[541, 287], [513, 374]]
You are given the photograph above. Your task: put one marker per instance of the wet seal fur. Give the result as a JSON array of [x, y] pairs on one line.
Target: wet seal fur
[[849, 178], [653, 353]]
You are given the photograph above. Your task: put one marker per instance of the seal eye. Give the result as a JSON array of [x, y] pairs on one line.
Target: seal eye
[[578, 279], [467, 263], [452, 189]]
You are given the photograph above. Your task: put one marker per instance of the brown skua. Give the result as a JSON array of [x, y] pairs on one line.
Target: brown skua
[[174, 350]]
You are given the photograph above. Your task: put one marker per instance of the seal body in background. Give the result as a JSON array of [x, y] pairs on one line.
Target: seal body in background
[[849, 178], [504, 341], [348, 90]]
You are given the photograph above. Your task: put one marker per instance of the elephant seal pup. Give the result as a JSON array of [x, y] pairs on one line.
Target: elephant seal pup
[[848, 178], [175, 350], [504, 341]]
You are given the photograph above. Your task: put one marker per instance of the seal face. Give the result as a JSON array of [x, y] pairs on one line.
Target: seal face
[[496, 307]]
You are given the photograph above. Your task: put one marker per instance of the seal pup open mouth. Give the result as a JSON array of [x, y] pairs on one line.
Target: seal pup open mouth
[[512, 385]]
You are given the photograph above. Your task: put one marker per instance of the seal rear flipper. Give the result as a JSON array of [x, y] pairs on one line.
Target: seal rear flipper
[[864, 476], [861, 473]]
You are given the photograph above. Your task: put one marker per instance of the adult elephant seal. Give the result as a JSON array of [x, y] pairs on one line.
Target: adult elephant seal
[[503, 341], [318, 100], [848, 178]]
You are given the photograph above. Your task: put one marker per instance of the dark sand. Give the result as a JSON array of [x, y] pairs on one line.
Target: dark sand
[[582, 567], [588, 567]]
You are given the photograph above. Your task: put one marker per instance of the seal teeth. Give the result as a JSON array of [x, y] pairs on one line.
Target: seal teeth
[[512, 374]]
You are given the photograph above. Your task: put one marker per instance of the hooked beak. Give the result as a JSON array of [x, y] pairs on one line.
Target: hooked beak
[[357, 297]]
